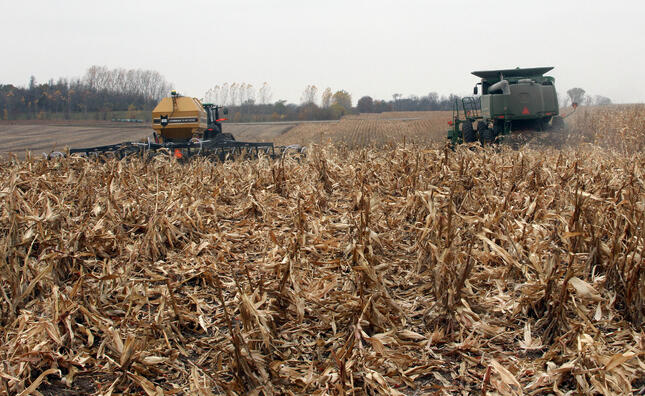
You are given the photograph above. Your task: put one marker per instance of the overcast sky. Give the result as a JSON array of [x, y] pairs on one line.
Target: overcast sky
[[374, 48]]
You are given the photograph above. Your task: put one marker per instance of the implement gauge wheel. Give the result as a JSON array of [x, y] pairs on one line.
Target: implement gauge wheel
[[468, 133]]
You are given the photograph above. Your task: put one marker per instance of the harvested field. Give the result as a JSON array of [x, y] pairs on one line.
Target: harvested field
[[402, 115], [410, 270], [258, 132], [621, 127], [40, 138], [356, 133], [351, 132], [45, 137]]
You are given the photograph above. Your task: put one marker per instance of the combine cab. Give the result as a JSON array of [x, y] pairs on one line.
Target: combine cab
[[511, 100]]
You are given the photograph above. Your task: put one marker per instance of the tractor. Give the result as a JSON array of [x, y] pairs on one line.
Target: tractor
[[184, 127], [511, 100]]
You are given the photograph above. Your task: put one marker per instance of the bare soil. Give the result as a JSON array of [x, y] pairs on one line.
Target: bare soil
[[38, 138], [45, 137]]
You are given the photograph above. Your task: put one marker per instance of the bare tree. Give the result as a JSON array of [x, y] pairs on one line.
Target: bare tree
[[309, 94], [147, 83], [600, 100], [396, 98], [223, 95], [234, 90], [326, 97], [577, 95], [250, 93], [265, 94], [213, 94]]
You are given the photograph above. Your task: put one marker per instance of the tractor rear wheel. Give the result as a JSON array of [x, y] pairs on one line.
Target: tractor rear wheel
[[222, 137], [557, 123], [468, 133]]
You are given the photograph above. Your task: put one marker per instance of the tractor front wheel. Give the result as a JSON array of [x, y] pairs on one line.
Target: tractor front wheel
[[468, 133]]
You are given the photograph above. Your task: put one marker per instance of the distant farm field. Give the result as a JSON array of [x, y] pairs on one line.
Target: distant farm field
[[619, 126], [40, 138], [355, 130], [372, 129], [44, 137]]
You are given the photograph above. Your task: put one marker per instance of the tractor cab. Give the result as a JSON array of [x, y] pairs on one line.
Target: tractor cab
[[215, 115], [214, 120]]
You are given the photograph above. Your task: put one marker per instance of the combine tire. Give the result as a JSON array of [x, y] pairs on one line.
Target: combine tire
[[498, 129], [486, 136], [557, 123], [468, 133], [485, 133]]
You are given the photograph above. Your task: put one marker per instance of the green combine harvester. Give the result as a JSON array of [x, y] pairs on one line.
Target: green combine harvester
[[511, 100]]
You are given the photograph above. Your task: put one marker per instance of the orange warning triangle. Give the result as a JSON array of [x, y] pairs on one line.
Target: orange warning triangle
[[526, 110]]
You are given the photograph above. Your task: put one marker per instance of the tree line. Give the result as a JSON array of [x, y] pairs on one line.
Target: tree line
[[248, 104], [99, 93], [102, 91], [580, 96]]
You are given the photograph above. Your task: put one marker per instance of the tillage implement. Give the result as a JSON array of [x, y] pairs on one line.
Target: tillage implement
[[185, 127]]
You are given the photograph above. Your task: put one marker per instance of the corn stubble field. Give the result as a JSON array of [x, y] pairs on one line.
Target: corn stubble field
[[378, 130], [401, 270]]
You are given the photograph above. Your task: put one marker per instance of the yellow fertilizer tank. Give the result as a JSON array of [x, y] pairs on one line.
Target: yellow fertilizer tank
[[178, 119]]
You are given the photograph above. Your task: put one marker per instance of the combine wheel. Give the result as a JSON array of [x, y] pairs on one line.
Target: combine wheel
[[486, 136], [468, 133], [557, 123], [485, 133], [545, 123], [498, 129]]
